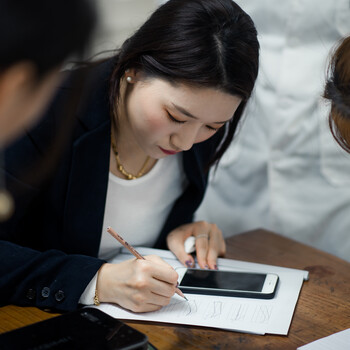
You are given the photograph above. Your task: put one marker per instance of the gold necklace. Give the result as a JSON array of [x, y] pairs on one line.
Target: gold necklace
[[120, 167]]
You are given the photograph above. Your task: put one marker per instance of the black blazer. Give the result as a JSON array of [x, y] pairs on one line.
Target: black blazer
[[49, 247]]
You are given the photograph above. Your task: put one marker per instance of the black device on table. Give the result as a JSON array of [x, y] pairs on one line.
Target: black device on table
[[86, 328], [228, 283]]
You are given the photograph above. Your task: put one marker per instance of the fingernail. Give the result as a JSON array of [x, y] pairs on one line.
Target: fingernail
[[216, 267], [188, 263], [177, 284], [206, 267]]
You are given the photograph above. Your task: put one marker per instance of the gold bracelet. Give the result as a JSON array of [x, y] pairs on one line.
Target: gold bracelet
[[96, 300]]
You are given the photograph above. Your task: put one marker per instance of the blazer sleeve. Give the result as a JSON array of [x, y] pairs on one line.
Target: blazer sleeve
[[49, 280], [37, 267], [34, 269]]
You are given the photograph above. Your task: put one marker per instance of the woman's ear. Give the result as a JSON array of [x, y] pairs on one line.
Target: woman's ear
[[131, 75]]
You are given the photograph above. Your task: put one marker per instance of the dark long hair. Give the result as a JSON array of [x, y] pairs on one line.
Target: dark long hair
[[337, 90], [203, 43]]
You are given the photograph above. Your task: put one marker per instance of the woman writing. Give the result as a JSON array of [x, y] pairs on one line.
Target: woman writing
[[151, 122]]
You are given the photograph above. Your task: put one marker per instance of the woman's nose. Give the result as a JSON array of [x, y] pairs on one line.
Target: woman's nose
[[185, 137]]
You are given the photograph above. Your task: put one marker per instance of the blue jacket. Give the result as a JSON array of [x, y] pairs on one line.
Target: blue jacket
[[49, 247]]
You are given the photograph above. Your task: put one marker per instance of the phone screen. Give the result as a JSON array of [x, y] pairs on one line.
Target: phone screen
[[224, 280]]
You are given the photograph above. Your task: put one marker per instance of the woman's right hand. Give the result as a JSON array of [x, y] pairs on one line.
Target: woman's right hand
[[137, 285]]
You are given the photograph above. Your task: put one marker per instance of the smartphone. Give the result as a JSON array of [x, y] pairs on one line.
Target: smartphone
[[86, 328], [228, 283]]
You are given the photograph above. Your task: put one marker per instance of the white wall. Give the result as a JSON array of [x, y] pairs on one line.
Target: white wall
[[118, 19]]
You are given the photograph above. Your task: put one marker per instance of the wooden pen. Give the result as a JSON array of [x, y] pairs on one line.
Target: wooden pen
[[134, 252]]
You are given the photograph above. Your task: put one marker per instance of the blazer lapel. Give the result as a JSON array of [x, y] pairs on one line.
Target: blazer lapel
[[88, 178], [87, 189]]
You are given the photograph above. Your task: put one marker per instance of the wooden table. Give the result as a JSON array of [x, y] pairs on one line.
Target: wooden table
[[323, 307]]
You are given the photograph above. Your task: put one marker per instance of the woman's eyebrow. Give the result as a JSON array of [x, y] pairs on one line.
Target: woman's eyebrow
[[188, 114], [184, 111]]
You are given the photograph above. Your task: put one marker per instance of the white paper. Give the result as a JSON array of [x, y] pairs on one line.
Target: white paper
[[239, 314], [338, 341]]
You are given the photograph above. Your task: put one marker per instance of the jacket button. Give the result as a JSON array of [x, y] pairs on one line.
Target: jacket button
[[59, 296], [31, 293], [45, 292]]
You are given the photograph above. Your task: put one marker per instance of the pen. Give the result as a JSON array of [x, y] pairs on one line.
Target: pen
[[133, 251]]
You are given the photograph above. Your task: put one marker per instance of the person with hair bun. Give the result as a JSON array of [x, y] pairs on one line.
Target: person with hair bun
[[337, 90], [150, 123]]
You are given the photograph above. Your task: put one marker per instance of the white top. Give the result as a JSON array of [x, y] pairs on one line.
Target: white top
[[285, 172], [137, 209]]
